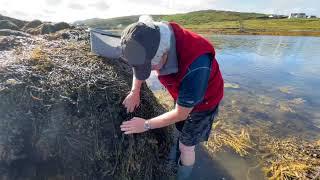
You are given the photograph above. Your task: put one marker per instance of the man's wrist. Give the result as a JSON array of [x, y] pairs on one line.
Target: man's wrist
[[147, 125], [135, 91]]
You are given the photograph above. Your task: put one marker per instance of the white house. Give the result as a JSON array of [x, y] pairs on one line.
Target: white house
[[297, 15]]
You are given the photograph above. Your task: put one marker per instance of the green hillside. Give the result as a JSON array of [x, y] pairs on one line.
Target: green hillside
[[203, 17], [223, 22], [113, 23], [192, 18]]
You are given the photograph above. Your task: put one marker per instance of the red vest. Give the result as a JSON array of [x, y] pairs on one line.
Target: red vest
[[189, 47]]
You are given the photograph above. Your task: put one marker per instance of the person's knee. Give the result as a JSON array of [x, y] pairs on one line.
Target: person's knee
[[186, 149]]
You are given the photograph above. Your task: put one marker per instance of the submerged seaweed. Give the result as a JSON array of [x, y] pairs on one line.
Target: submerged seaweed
[[246, 124]]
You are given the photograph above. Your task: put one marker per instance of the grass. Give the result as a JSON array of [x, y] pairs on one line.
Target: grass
[[224, 22], [298, 27], [208, 16], [264, 24]]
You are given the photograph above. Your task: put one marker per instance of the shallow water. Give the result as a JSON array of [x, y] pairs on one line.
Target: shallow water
[[269, 65], [272, 79], [278, 67]]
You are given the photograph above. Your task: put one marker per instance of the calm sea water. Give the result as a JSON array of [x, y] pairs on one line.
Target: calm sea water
[[266, 64], [276, 79], [269, 65]]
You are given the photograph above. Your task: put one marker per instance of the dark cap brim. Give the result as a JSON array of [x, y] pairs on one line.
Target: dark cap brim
[[142, 72]]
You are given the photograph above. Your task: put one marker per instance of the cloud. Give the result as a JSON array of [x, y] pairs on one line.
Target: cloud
[[153, 2], [100, 5], [76, 6], [186, 6], [20, 13], [3, 12], [71, 10], [53, 2], [47, 11]]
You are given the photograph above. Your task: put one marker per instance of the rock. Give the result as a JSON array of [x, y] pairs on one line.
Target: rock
[[32, 24], [68, 34], [10, 42], [297, 101], [286, 89], [6, 24], [61, 25], [9, 32], [265, 100], [62, 122], [6, 43], [285, 107], [48, 28], [17, 22], [42, 29], [231, 85]]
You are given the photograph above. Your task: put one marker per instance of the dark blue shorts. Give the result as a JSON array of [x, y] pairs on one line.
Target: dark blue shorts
[[197, 127]]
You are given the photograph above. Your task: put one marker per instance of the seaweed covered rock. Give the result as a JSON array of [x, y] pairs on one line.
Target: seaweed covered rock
[[47, 28], [60, 112], [42, 29], [68, 34], [9, 42], [6, 24], [9, 32], [32, 24], [17, 22], [61, 25]]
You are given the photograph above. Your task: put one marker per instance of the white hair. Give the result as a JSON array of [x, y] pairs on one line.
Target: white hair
[[165, 35]]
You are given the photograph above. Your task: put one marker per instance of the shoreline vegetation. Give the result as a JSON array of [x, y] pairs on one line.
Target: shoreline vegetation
[[275, 27], [223, 22]]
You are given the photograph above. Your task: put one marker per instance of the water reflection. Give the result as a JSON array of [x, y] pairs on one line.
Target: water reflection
[[264, 64]]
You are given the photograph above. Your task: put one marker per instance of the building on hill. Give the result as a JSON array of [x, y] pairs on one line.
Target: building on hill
[[311, 16], [275, 16], [297, 15]]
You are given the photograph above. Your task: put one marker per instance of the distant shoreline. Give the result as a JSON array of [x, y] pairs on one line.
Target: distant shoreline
[[254, 32], [225, 22], [235, 31]]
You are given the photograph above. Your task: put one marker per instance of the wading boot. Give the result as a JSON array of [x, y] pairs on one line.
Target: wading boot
[[184, 172]]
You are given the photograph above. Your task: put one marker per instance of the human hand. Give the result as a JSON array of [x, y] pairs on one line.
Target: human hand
[[134, 125], [132, 101]]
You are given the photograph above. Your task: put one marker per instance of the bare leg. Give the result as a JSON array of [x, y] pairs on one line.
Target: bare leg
[[187, 154]]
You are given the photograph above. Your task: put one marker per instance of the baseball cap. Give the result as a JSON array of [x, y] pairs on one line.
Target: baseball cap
[[140, 42]]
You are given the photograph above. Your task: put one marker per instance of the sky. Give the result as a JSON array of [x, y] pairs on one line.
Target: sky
[[73, 10]]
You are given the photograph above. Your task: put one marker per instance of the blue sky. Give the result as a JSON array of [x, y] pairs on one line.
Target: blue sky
[[72, 10]]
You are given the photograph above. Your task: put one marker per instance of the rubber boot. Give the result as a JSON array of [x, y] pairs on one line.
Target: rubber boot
[[184, 172]]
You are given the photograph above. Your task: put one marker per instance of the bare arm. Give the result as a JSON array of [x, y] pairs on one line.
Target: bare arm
[[132, 100], [180, 113], [136, 85], [136, 124]]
